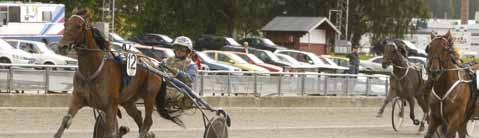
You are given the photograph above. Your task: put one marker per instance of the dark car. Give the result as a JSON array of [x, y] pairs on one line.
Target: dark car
[[158, 40], [265, 55], [211, 42], [262, 43]]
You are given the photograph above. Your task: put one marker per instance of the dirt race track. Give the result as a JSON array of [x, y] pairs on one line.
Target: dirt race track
[[248, 122]]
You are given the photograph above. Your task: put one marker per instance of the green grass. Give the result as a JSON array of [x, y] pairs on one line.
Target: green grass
[[364, 57], [469, 59]]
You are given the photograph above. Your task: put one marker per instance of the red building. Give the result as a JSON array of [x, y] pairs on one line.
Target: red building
[[312, 34]]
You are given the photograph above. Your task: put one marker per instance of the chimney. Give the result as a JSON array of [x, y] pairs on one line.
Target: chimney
[[464, 11]]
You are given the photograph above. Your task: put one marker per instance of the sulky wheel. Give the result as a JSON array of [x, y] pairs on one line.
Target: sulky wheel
[[99, 130], [397, 113], [216, 128]]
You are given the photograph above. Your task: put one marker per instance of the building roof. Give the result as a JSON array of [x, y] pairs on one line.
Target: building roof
[[297, 24]]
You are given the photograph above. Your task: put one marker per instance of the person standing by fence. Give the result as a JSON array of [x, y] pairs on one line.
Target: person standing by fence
[[354, 61]]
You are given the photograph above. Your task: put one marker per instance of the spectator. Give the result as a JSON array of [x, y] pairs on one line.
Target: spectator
[[246, 46], [354, 61]]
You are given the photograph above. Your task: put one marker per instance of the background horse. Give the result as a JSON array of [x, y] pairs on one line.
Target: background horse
[[406, 80], [98, 81], [453, 98]]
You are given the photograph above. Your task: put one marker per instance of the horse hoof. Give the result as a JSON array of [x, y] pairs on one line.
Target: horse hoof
[[421, 128], [57, 136], [150, 135], [416, 122], [124, 130], [379, 115]]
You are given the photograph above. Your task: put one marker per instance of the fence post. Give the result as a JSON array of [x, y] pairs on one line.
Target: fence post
[[368, 86], [47, 79], [229, 84], [325, 85], [303, 78], [279, 84], [10, 79], [347, 85], [202, 74], [255, 83]]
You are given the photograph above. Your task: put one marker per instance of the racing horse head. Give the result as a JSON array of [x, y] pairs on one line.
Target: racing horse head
[[80, 35], [394, 52]]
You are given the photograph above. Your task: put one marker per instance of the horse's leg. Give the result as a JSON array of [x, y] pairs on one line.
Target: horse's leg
[[421, 100], [412, 103], [463, 130], [388, 99], [75, 106], [149, 103], [111, 121], [432, 128], [130, 107]]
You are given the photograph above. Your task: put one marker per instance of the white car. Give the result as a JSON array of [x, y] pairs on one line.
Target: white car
[[42, 54], [375, 64], [14, 56], [323, 64]]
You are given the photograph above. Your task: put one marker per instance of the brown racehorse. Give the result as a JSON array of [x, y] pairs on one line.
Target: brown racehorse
[[97, 81], [406, 80], [451, 101]]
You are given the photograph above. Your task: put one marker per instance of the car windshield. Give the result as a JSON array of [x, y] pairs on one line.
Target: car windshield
[[5, 45], [268, 42], [271, 55], [288, 59], [204, 58], [166, 38], [116, 37], [316, 59], [157, 54], [232, 41], [45, 49], [255, 59], [237, 59]]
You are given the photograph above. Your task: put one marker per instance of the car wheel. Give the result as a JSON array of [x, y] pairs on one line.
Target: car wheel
[[49, 63], [5, 61]]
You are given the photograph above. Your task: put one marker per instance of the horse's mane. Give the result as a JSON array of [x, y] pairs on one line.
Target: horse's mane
[[100, 40]]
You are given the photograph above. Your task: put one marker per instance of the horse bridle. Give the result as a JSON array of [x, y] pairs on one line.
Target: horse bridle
[[82, 47], [398, 66], [450, 51]]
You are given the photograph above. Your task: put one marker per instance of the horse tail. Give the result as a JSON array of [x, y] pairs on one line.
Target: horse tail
[[161, 105]]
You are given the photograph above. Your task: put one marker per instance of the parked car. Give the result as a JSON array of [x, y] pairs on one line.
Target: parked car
[[158, 40], [211, 42], [321, 63], [342, 61], [42, 54], [375, 64], [234, 60], [419, 60], [264, 55], [8, 54], [250, 58], [214, 65], [157, 53], [295, 65], [262, 43], [413, 50]]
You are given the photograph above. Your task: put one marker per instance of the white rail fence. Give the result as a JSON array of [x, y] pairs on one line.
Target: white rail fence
[[42, 79]]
